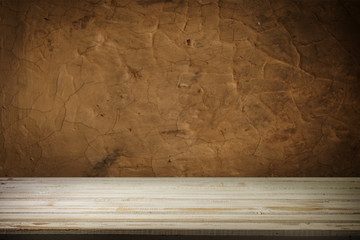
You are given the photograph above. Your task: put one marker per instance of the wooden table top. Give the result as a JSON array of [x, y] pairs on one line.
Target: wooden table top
[[224, 206]]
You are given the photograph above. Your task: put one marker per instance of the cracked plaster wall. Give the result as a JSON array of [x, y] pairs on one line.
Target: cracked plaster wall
[[179, 88]]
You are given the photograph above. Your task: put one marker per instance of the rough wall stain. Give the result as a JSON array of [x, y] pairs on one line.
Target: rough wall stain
[[81, 23], [100, 168], [181, 87]]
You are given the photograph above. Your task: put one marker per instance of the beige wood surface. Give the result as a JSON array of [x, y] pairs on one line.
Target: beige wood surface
[[180, 205]]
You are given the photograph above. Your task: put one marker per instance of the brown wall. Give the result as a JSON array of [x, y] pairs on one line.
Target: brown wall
[[179, 88]]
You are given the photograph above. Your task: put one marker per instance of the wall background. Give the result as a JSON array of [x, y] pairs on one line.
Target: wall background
[[179, 88]]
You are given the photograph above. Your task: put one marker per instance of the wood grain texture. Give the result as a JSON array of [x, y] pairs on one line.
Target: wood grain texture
[[314, 206]]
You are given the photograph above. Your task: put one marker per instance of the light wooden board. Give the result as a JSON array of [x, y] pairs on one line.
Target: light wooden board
[[315, 206]]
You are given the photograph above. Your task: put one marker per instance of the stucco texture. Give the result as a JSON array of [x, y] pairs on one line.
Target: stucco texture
[[179, 88]]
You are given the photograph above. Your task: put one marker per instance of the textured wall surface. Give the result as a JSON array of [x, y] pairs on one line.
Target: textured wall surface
[[179, 88]]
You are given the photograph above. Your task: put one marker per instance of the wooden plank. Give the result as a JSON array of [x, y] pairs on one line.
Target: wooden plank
[[181, 205]]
